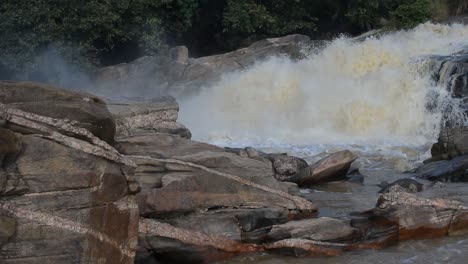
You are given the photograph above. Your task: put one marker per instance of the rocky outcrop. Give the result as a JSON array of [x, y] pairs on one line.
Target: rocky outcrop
[[158, 115], [333, 167], [65, 195], [209, 197], [88, 111], [180, 75]]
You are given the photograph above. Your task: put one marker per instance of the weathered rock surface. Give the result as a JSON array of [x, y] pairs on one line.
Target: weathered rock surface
[[180, 75], [158, 115], [417, 217], [204, 193], [453, 170], [330, 168], [87, 110], [65, 195], [409, 185], [289, 168]]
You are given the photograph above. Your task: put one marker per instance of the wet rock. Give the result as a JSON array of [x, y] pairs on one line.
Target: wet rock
[[87, 110], [331, 168], [156, 116], [451, 72], [408, 185], [445, 170], [452, 142]]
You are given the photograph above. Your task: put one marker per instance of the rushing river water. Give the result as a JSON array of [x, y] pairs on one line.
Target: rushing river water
[[368, 96]]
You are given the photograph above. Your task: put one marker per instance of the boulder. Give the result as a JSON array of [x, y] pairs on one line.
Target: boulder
[[289, 168], [331, 168], [87, 110], [420, 218], [66, 196], [445, 170], [158, 115]]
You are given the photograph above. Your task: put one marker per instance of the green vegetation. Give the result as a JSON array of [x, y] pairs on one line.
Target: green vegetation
[[104, 32]]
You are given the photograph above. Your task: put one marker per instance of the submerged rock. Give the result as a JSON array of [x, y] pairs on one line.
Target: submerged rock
[[331, 168]]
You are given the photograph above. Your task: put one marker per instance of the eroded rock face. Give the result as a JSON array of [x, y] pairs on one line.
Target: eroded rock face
[[158, 115], [330, 168], [209, 197], [87, 110], [179, 76], [417, 217], [65, 195]]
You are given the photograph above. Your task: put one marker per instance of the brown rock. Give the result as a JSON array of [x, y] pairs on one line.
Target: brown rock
[[89, 111], [330, 168]]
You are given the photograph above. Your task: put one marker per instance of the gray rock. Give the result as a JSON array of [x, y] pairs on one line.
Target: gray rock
[[446, 170]]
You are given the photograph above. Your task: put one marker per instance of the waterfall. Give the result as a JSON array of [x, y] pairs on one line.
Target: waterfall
[[375, 92]]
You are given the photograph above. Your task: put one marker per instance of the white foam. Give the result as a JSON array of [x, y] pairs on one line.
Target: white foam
[[369, 93]]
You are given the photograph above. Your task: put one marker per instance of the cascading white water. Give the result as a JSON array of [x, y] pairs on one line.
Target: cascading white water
[[370, 93]]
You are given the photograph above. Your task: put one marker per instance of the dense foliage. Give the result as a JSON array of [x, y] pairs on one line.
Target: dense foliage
[[103, 32]]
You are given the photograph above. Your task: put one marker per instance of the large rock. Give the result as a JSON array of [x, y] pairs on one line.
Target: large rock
[[330, 168], [445, 170], [88, 110], [201, 191], [158, 115], [418, 218], [178, 75], [65, 195], [289, 168]]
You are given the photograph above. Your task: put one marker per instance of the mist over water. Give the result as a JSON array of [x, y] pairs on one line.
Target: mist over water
[[372, 94]]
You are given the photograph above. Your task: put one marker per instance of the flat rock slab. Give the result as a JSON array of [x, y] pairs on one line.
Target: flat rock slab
[[88, 110]]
